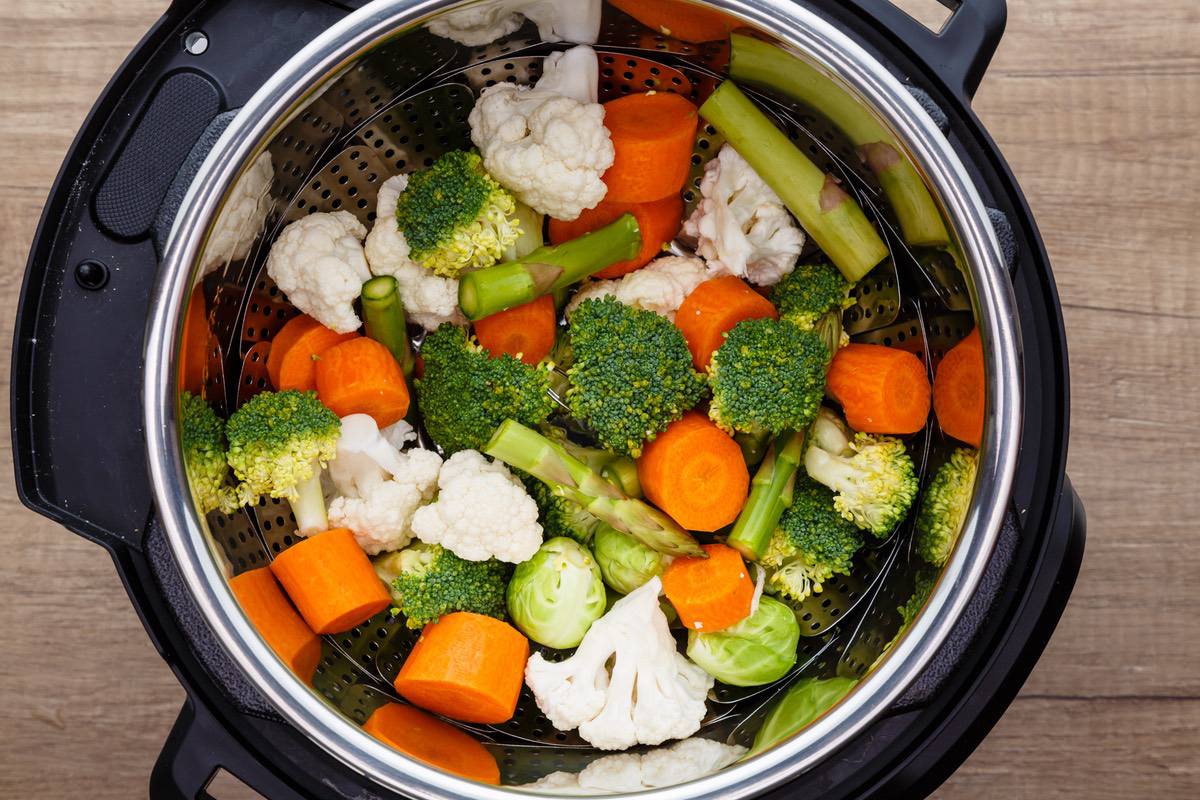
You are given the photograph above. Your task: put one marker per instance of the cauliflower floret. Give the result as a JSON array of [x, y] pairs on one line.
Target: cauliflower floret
[[318, 262], [683, 761], [547, 148], [484, 23], [660, 286], [428, 299], [378, 487], [626, 683], [741, 226], [481, 512], [242, 218]]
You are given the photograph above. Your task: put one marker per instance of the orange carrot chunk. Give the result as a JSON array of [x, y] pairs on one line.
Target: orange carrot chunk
[[653, 134], [361, 376], [195, 345], [881, 389], [695, 472], [710, 593], [658, 221], [711, 311], [959, 393], [296, 349], [467, 667], [526, 332], [682, 21], [427, 738], [331, 581], [277, 621]]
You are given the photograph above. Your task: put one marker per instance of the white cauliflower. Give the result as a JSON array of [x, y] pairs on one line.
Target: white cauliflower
[[741, 226], [318, 262], [687, 760], [242, 218], [428, 299], [378, 487], [660, 286], [549, 149], [484, 23], [626, 683], [481, 512]]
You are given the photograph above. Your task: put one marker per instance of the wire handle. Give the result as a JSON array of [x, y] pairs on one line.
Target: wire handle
[[960, 52]]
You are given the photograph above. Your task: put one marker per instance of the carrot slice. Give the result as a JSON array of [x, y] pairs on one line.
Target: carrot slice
[[682, 21], [526, 331], [427, 738], [361, 376], [653, 134], [277, 621], [658, 222], [710, 593], [296, 349], [195, 345], [711, 311], [959, 391], [881, 389], [331, 581], [695, 472], [467, 667]]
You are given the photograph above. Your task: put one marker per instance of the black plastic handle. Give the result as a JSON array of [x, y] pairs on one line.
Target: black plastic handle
[[195, 749], [960, 52]]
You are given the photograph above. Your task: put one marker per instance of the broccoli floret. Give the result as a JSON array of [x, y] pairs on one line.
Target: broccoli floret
[[768, 375], [871, 476], [558, 515], [632, 375], [428, 581], [465, 394], [814, 296], [455, 216], [204, 445], [921, 588], [278, 444], [944, 506], [812, 543]]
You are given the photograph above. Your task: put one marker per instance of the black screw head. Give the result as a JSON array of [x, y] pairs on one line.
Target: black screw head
[[91, 275]]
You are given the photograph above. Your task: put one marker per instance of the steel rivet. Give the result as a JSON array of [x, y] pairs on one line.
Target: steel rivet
[[196, 42]]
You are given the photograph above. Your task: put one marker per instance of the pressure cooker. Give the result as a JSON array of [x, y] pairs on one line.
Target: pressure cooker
[[335, 96]]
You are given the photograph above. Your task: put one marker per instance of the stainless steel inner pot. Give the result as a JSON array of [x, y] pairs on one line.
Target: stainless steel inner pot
[[379, 94]]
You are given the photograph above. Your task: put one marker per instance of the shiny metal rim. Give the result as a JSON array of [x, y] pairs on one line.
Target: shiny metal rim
[[318, 63]]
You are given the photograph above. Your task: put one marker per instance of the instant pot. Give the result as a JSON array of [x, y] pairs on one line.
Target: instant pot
[[137, 286]]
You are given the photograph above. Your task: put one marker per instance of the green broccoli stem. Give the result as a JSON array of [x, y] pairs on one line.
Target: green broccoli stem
[[754, 446], [829, 327], [622, 472], [385, 322], [567, 476], [758, 63], [830, 216], [547, 269], [770, 494], [308, 504]]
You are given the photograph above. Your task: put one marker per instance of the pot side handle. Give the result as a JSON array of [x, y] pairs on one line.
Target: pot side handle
[[960, 52]]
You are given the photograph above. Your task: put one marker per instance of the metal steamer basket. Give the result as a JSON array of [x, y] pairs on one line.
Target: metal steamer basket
[[376, 93]]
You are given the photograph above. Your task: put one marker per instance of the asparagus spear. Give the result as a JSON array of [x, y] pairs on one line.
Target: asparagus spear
[[770, 494], [567, 476], [829, 215], [385, 321], [758, 63], [547, 269]]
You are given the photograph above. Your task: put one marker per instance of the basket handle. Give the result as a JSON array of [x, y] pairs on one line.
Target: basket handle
[[960, 52]]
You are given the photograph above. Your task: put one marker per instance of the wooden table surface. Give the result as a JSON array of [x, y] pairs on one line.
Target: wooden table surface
[[1094, 102]]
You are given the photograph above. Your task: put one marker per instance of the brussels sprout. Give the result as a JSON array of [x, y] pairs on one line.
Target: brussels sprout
[[555, 596], [798, 708], [625, 562], [759, 649]]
